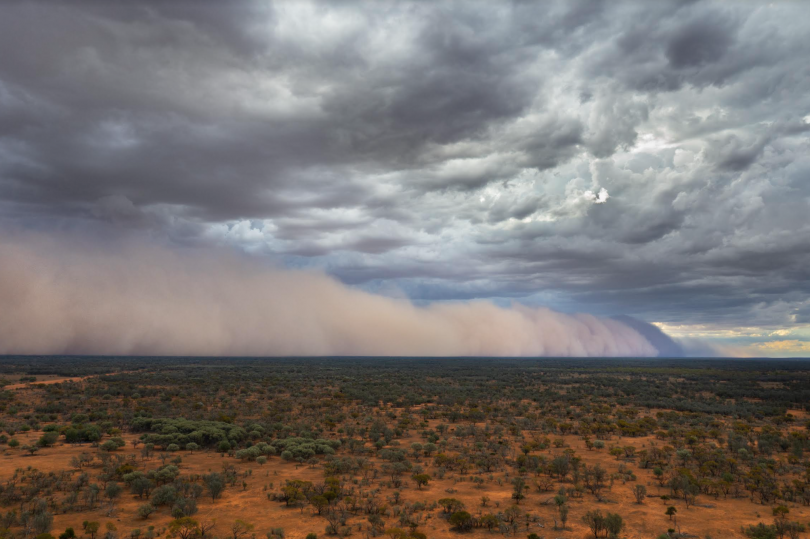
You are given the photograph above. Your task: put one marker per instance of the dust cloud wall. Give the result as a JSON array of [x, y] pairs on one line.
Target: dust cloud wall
[[60, 297]]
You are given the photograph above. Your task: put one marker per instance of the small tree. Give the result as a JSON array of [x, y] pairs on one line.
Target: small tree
[[563, 509], [112, 491], [780, 513], [319, 503], [48, 439], [421, 480], [461, 521], [145, 510], [511, 514], [518, 492], [640, 492], [241, 529], [488, 521], [91, 528], [30, 448], [595, 521], [659, 475], [451, 505], [613, 524], [184, 528], [215, 483], [671, 510]]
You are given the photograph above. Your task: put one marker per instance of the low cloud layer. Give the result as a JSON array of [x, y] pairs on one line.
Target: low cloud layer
[[135, 299]]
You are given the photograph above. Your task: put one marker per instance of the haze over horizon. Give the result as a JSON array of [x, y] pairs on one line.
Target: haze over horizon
[[405, 178]]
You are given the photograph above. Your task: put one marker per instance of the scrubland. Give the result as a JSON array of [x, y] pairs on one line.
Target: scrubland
[[117, 448]]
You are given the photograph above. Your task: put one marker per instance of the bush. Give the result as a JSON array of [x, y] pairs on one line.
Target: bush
[[461, 521], [761, 531], [145, 510], [163, 495], [48, 439]]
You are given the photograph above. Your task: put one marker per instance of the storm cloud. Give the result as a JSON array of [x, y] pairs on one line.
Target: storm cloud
[[649, 159]]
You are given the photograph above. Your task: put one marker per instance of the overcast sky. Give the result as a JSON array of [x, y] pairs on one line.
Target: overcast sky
[[642, 158]]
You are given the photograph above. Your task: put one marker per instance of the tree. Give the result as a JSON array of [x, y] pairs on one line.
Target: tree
[[163, 495], [395, 470], [519, 485], [793, 529], [451, 505], [563, 509], [613, 524], [511, 514], [319, 503], [461, 520], [780, 513], [184, 528], [48, 439], [145, 510], [421, 479], [206, 527], [488, 521], [336, 517], [396, 533], [640, 492], [184, 507], [109, 446], [91, 528], [240, 529], [215, 484], [91, 495], [595, 521], [761, 531], [561, 466], [31, 448], [659, 475], [42, 521], [112, 491], [594, 479], [671, 510], [141, 486], [293, 491]]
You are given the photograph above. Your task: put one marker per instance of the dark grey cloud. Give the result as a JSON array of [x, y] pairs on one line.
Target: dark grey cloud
[[646, 158], [700, 42]]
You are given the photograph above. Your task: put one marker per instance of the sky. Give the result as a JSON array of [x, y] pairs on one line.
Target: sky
[[642, 159]]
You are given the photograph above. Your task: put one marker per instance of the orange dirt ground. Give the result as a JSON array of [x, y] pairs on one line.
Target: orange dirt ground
[[719, 518]]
